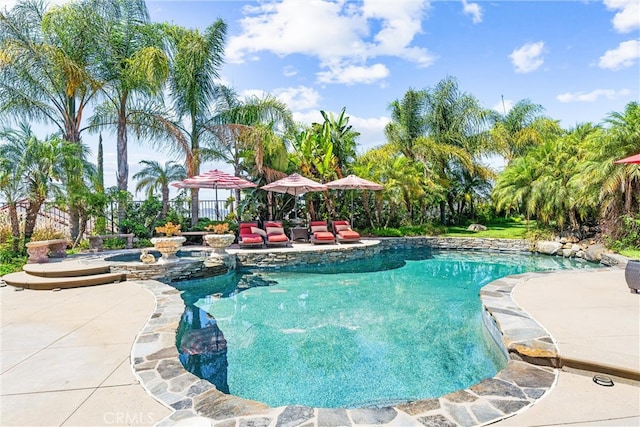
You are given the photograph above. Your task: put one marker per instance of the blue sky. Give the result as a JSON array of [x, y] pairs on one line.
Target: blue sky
[[578, 59]]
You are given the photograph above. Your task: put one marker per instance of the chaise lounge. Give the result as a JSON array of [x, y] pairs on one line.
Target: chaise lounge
[[275, 236], [320, 234], [250, 235], [344, 233]]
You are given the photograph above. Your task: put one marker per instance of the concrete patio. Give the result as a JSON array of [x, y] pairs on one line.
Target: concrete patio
[[65, 356]]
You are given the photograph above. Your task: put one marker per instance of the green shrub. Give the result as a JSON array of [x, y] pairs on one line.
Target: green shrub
[[10, 261], [114, 243], [46, 233], [385, 232], [142, 243]]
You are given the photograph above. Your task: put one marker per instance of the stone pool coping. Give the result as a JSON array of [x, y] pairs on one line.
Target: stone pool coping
[[529, 375]]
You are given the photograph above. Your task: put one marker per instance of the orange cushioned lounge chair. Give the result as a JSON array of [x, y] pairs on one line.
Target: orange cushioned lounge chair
[[275, 235], [250, 235], [320, 234], [344, 233]]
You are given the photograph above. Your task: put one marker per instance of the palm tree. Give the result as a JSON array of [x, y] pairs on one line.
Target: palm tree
[[195, 58], [132, 66], [46, 66], [247, 132], [407, 122], [41, 166], [154, 177], [521, 128], [453, 120]]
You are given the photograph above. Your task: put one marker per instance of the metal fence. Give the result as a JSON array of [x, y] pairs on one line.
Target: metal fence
[[53, 217]]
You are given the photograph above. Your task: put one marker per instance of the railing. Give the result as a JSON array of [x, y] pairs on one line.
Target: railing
[[52, 216]]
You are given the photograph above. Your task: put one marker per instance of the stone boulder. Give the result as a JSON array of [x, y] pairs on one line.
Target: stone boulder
[[546, 247], [477, 227], [594, 252]]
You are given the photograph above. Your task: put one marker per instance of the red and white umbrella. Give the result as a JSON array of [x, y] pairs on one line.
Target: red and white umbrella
[[215, 179], [353, 182], [294, 184], [631, 159]]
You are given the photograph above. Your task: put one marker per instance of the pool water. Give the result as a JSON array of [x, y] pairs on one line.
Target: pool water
[[402, 326]]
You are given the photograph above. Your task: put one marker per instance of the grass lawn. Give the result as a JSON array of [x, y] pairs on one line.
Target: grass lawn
[[500, 230], [631, 253]]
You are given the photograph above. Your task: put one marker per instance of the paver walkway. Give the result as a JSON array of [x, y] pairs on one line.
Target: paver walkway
[[65, 357], [594, 319]]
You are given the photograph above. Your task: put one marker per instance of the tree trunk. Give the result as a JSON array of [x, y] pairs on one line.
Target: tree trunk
[[122, 160], [443, 216], [194, 206], [165, 202], [32, 215], [15, 227]]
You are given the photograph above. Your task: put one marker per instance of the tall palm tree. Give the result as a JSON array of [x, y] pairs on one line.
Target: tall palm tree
[[521, 128], [195, 59], [46, 58], [454, 119], [155, 177], [407, 121], [133, 66]]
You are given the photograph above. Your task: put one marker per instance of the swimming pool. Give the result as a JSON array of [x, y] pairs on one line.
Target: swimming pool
[[402, 326]]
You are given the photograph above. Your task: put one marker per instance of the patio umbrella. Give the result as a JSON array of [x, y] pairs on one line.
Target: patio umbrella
[[294, 184], [632, 159], [353, 182], [215, 179]]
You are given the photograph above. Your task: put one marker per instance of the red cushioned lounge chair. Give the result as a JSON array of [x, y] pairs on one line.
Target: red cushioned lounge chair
[[275, 235], [250, 235], [320, 233], [344, 233]]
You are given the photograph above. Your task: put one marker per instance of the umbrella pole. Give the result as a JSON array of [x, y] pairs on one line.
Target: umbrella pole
[[351, 208], [217, 208]]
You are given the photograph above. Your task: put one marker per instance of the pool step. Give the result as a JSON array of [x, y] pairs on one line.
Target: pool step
[[25, 280], [62, 275], [66, 269]]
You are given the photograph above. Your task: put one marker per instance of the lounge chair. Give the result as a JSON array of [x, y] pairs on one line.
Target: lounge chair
[[275, 235], [320, 233], [344, 233], [250, 235]]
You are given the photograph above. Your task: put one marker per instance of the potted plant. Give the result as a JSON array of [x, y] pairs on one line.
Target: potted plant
[[221, 238], [632, 275], [170, 243]]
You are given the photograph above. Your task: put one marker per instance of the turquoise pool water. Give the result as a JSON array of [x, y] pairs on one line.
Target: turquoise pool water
[[403, 326]]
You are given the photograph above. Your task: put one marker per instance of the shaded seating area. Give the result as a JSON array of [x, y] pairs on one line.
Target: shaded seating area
[[275, 235], [250, 235], [320, 234], [344, 233]]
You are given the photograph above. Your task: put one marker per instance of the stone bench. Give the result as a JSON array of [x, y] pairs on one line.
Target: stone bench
[[95, 242], [41, 250]]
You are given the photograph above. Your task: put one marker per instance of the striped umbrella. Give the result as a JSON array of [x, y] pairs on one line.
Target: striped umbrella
[[353, 182], [294, 184], [215, 179]]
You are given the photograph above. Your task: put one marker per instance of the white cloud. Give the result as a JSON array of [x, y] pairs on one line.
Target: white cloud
[[371, 131], [592, 96], [289, 71], [625, 55], [628, 18], [472, 9], [352, 74], [503, 106], [298, 98], [335, 32], [528, 58]]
